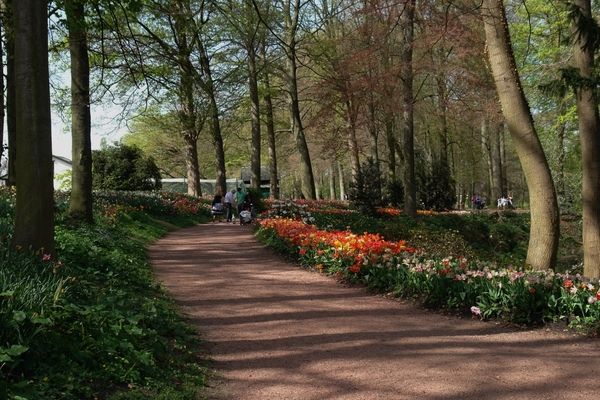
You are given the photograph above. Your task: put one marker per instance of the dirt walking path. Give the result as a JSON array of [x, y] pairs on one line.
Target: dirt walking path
[[276, 331]]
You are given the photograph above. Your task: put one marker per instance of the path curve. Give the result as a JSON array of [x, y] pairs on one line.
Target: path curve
[[276, 331]]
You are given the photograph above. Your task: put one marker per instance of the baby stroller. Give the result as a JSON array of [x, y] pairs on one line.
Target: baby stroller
[[246, 213]]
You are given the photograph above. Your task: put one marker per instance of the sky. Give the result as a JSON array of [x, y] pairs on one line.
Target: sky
[[103, 126]]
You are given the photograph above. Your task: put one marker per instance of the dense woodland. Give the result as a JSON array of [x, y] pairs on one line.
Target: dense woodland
[[443, 99]]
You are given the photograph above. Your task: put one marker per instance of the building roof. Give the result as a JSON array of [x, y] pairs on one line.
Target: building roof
[[265, 174], [62, 160]]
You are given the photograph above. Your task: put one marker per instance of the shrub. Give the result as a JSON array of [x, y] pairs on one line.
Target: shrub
[[365, 191], [123, 167]]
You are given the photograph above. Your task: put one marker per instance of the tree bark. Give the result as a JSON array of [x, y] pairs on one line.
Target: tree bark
[[185, 93], [291, 25], [495, 133], [11, 116], [544, 233], [270, 122], [34, 215], [81, 200], [589, 135], [332, 180], [408, 151], [342, 181], [217, 137], [255, 170]]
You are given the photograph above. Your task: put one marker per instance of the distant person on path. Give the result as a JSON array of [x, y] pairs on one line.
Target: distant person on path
[[239, 198], [229, 204], [509, 203], [217, 206]]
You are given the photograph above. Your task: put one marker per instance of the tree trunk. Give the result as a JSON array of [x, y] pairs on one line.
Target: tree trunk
[[495, 134], [332, 180], [485, 147], [544, 233], [589, 135], [352, 142], [255, 170], [391, 145], [408, 151], [342, 181], [34, 215], [217, 137], [11, 109], [185, 92], [81, 200], [560, 138], [273, 175], [443, 107], [291, 25], [2, 102]]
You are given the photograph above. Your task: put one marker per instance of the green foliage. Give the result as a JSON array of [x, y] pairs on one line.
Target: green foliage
[[436, 186], [65, 179], [257, 200], [365, 191], [395, 192], [123, 167], [94, 322]]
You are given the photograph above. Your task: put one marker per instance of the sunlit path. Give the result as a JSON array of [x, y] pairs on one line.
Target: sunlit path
[[276, 331]]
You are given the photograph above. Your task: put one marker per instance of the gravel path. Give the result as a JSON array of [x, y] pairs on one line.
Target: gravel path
[[276, 331]]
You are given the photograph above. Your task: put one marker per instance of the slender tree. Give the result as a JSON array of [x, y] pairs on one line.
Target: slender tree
[[543, 242], [34, 215], [11, 117], [408, 151], [586, 40], [81, 200]]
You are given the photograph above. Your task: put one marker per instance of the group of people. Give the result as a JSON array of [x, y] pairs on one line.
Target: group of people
[[504, 203], [234, 198], [478, 202]]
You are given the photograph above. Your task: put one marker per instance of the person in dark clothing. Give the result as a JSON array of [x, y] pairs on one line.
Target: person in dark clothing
[[217, 206]]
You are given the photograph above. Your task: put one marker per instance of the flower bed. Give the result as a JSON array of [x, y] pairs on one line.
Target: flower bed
[[513, 294]]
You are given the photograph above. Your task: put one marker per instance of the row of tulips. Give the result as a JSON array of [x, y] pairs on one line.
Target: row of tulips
[[513, 294]]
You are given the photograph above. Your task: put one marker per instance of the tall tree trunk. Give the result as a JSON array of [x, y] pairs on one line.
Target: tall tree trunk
[[255, 170], [332, 180], [11, 109], [186, 98], [560, 138], [291, 16], [443, 107], [544, 232], [390, 135], [81, 200], [270, 122], [342, 181], [486, 149], [496, 158], [352, 142], [2, 102], [188, 119], [408, 148], [589, 135], [217, 137], [34, 215]]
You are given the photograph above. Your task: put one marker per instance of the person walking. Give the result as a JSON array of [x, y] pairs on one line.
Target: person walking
[[239, 198], [229, 204]]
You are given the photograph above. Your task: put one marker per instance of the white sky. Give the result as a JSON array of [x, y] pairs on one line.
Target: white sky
[[102, 127]]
